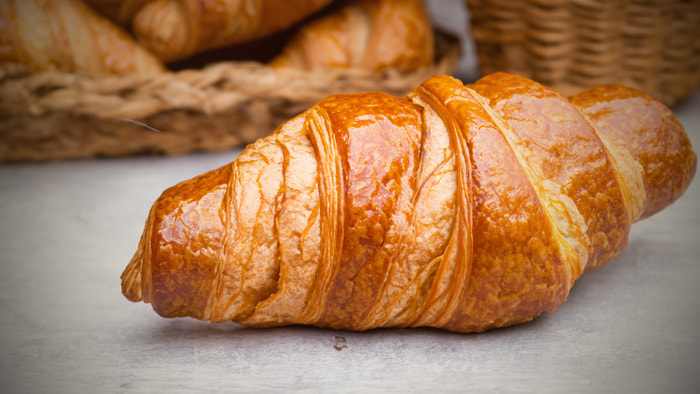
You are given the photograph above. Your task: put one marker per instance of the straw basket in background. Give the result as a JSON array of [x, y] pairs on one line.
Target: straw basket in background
[[570, 45], [53, 115]]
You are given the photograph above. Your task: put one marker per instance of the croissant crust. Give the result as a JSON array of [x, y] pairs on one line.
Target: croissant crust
[[459, 207]]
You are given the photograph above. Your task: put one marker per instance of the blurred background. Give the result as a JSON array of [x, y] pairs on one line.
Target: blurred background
[[175, 76]]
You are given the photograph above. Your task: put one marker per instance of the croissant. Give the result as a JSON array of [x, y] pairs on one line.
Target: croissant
[[120, 11], [176, 29], [459, 207], [366, 34], [67, 35]]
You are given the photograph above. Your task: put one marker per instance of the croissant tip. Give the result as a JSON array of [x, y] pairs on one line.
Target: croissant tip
[[131, 279]]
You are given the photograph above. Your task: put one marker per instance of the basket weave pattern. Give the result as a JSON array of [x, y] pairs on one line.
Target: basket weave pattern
[[571, 45], [54, 115]]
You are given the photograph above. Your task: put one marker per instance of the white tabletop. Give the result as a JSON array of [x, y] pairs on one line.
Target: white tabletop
[[67, 230]]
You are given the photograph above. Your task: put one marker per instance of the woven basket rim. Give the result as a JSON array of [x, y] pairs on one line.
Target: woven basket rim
[[214, 89]]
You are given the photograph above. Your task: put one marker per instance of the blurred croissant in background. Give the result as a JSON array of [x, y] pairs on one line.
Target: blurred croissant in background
[[139, 36], [67, 35], [119, 11], [176, 29], [365, 34]]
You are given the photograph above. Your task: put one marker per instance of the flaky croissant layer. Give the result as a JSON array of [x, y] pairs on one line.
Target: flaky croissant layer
[[459, 207]]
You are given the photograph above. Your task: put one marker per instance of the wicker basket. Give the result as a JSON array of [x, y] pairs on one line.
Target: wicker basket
[[52, 115], [571, 45]]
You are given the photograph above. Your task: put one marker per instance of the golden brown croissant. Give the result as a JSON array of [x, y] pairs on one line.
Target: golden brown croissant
[[367, 34], [459, 207], [67, 35], [176, 29]]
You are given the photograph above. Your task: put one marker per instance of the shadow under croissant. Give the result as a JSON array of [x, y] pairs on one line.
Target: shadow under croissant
[[197, 333]]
